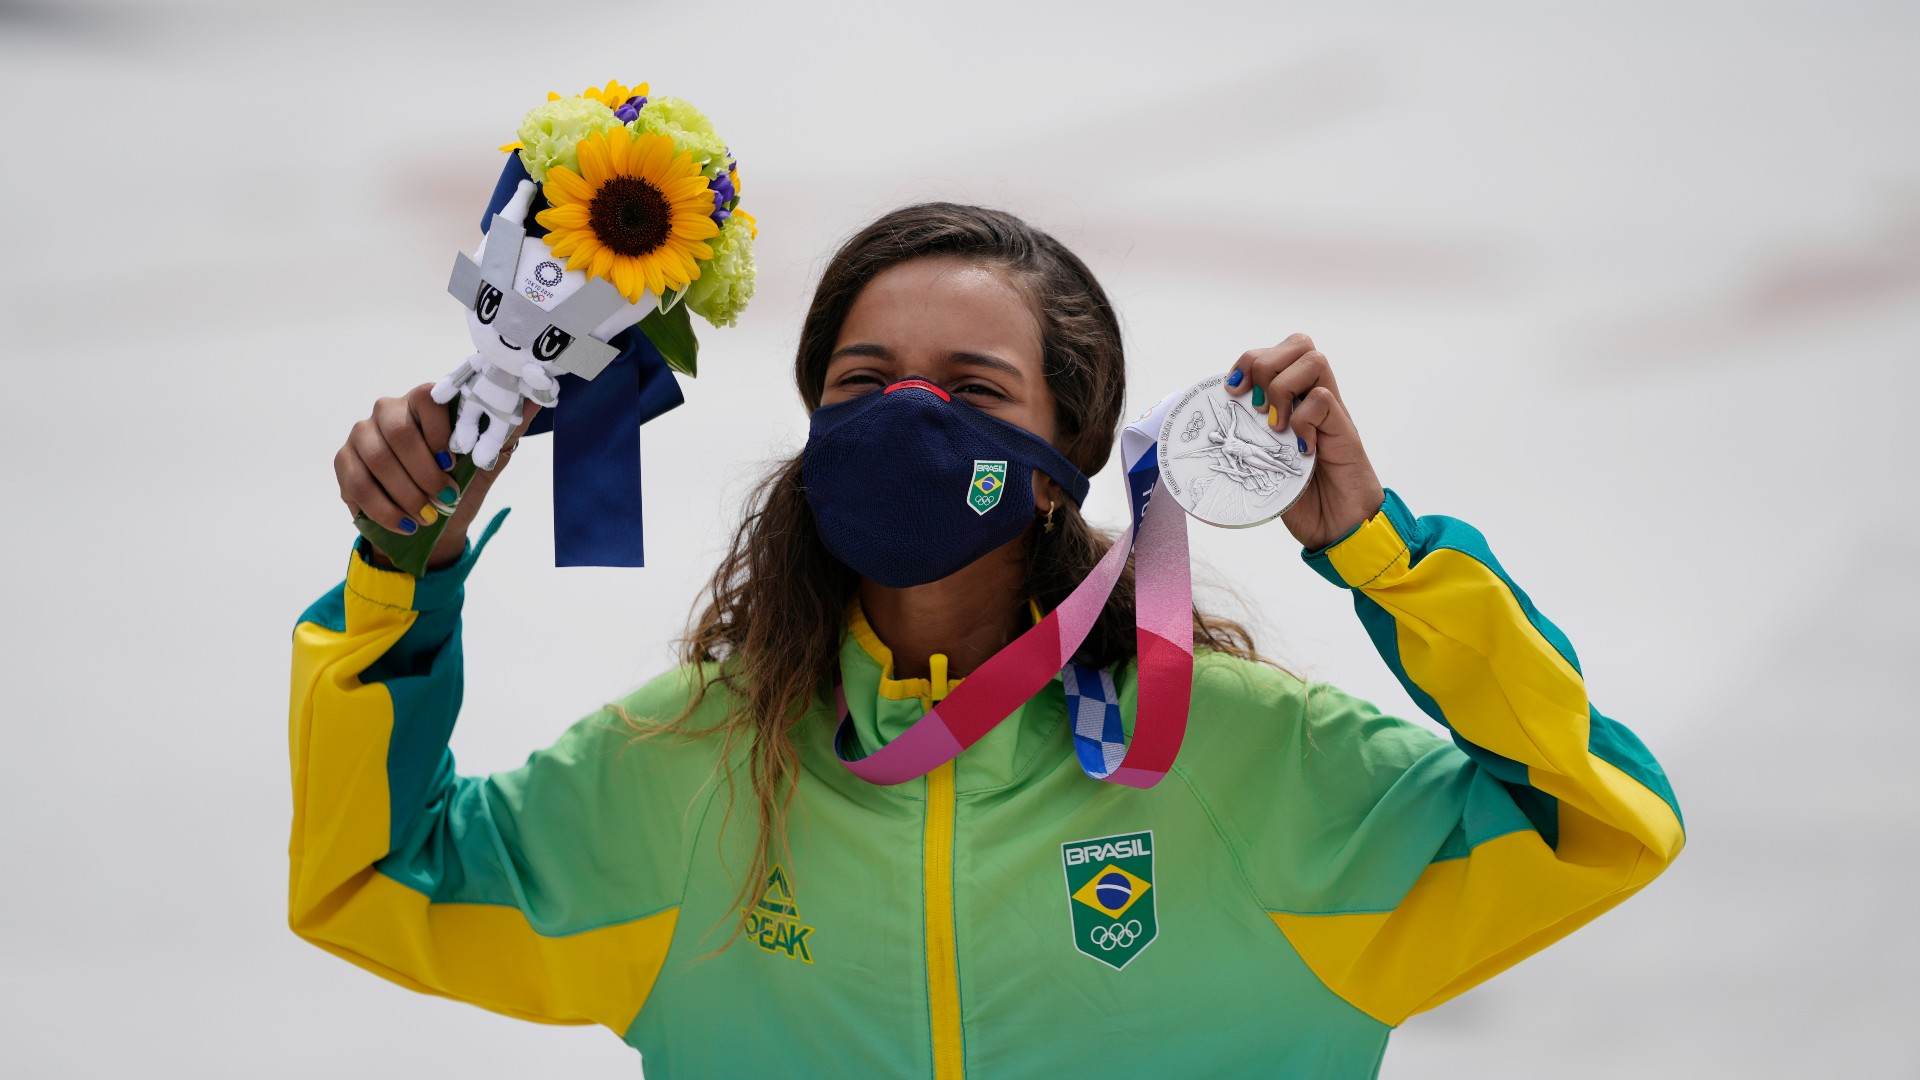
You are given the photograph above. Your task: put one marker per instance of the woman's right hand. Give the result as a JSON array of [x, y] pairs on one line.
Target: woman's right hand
[[389, 469]]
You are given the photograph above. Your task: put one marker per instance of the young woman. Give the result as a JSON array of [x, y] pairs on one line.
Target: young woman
[[1310, 873]]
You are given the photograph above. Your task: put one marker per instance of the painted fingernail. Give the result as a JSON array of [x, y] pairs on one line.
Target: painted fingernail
[[427, 515], [1303, 445], [407, 526], [1259, 397], [1237, 377], [1273, 416], [444, 460], [449, 495]]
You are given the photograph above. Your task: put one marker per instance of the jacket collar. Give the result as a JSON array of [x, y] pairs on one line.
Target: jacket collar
[[1019, 747]]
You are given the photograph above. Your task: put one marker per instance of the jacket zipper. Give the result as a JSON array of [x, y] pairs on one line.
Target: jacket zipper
[[943, 967]]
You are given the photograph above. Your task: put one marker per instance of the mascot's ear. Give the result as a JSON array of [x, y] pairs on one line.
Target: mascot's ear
[[633, 313], [625, 317], [504, 188], [516, 208]]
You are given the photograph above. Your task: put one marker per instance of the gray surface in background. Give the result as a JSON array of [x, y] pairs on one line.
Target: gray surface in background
[[1630, 288]]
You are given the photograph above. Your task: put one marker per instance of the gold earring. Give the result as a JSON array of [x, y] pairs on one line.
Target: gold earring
[[1050, 507]]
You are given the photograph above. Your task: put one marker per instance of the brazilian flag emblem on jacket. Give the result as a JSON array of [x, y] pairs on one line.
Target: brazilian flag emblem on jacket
[[1110, 892], [989, 481]]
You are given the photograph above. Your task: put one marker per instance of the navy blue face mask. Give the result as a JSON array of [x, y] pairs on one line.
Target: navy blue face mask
[[908, 485]]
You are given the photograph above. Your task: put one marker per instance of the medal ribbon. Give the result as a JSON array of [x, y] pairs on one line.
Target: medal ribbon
[[1163, 627]]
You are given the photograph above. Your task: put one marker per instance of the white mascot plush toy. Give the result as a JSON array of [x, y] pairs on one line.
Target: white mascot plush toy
[[531, 319]]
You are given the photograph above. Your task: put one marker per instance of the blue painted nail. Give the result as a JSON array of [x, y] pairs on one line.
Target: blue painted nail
[[449, 495], [443, 459], [1303, 443], [1237, 377], [407, 526]]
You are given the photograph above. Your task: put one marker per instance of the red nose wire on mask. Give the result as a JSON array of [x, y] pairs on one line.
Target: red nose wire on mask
[[920, 383]]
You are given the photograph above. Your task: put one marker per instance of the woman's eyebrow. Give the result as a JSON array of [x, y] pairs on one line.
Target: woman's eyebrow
[[970, 359], [974, 359], [861, 348]]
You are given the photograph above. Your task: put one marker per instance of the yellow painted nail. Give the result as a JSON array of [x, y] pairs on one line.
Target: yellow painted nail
[[427, 516], [1273, 416]]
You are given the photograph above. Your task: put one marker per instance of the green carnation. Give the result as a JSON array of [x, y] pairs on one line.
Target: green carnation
[[725, 283], [551, 133], [689, 129]]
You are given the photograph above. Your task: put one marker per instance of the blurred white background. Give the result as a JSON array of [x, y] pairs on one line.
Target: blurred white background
[[1635, 289]]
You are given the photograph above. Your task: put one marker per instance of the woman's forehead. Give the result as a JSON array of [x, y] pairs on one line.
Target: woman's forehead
[[938, 306]]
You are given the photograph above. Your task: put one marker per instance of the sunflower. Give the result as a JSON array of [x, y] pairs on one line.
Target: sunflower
[[613, 95], [636, 214]]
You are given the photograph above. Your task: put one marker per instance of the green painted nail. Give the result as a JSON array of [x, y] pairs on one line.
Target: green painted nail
[[1259, 398], [449, 494]]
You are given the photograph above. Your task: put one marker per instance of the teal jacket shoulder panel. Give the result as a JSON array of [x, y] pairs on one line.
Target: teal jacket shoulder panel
[[1418, 867], [548, 892]]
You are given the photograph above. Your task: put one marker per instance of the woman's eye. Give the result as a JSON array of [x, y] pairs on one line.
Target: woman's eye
[[487, 304], [978, 390], [859, 378], [551, 343]]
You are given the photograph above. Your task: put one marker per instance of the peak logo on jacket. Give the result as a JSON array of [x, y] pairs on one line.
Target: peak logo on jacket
[[773, 922], [1110, 895]]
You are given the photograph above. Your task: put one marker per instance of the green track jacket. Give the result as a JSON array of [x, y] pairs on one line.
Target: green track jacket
[[1311, 872]]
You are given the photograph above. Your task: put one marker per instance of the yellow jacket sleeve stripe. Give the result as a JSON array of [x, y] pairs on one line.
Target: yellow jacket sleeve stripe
[[389, 847], [1472, 651]]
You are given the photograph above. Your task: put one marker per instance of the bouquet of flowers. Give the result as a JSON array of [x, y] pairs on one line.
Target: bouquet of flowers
[[643, 191], [617, 212]]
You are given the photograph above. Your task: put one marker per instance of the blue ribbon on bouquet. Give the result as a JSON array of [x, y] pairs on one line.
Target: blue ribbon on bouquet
[[596, 431]]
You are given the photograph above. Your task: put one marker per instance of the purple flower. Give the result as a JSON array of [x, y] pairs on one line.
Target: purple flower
[[723, 194], [630, 108]]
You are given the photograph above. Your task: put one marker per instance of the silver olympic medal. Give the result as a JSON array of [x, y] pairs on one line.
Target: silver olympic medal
[[1223, 464]]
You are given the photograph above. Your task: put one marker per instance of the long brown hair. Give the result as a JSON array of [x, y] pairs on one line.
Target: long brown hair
[[773, 620]]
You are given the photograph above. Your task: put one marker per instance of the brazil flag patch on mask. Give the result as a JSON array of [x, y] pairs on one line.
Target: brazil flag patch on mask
[[989, 480]]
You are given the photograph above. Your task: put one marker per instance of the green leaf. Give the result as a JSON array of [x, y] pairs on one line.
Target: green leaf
[[410, 552], [672, 333]]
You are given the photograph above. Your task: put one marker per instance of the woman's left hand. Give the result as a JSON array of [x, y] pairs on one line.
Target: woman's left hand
[[1295, 381]]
